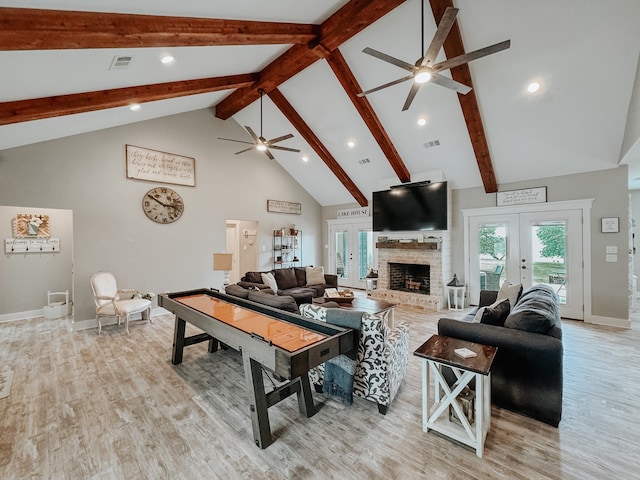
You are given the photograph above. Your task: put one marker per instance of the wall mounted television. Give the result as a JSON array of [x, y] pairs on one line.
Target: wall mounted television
[[411, 207]]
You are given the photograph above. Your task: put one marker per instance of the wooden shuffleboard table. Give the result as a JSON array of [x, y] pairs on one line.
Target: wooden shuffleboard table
[[285, 343]]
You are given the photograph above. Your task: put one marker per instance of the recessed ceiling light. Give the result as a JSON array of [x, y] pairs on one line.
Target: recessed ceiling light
[[134, 107], [351, 144], [422, 121], [533, 87], [167, 59], [305, 159]]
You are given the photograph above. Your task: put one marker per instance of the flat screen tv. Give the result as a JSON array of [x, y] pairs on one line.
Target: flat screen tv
[[411, 207]]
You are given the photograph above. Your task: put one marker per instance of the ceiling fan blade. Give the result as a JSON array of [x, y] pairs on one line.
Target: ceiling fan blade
[[245, 150], [444, 27], [389, 59], [412, 93], [232, 140], [390, 84], [467, 57], [287, 149], [253, 134], [449, 83], [279, 139], [268, 154]]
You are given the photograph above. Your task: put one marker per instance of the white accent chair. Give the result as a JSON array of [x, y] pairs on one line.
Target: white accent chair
[[112, 302]]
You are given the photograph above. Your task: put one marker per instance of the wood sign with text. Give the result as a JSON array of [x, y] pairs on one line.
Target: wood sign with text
[[522, 197], [162, 167]]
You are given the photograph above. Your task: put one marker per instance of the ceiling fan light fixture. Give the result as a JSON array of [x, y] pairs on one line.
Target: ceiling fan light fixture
[[422, 77], [261, 147]]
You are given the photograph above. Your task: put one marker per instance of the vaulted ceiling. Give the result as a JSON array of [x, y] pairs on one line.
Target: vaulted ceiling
[[307, 56]]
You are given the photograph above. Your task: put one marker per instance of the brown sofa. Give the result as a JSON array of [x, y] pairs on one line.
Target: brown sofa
[[292, 284]]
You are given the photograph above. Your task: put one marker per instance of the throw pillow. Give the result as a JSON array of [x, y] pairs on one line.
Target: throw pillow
[[496, 314], [315, 275], [510, 291], [268, 279], [494, 309], [285, 278]]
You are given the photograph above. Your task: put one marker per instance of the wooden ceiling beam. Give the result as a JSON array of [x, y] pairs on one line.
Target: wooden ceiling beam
[[34, 29], [301, 126], [345, 76], [349, 20], [39, 108], [453, 47]]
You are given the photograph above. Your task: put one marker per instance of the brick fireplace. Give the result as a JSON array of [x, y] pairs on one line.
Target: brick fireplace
[[412, 274]]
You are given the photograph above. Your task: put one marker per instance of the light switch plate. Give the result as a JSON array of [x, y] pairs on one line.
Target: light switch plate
[[612, 249], [612, 258]]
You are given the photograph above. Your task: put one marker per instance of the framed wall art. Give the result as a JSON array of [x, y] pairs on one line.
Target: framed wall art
[[161, 167], [610, 225]]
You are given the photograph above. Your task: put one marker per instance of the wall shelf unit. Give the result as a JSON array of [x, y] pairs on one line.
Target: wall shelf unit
[[287, 249]]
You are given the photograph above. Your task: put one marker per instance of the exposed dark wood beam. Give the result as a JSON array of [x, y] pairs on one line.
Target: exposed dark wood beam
[[39, 108], [470, 109], [351, 19], [301, 126], [33, 29], [342, 71]]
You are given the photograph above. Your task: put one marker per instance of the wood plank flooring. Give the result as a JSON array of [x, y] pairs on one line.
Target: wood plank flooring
[[111, 406]]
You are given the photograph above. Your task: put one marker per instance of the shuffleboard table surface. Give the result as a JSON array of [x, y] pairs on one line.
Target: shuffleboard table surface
[[280, 333]]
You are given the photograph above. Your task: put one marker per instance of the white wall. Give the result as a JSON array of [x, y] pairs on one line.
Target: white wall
[[87, 174], [25, 278]]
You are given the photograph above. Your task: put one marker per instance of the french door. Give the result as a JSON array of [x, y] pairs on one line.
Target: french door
[[351, 252], [530, 248]]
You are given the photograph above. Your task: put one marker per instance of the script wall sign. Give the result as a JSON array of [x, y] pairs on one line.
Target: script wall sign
[[522, 197], [162, 167]]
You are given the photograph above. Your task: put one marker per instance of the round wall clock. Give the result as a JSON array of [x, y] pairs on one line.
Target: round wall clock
[[162, 205]]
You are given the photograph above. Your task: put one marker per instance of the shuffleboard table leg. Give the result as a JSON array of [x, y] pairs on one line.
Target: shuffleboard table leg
[[257, 402], [178, 341], [305, 400]]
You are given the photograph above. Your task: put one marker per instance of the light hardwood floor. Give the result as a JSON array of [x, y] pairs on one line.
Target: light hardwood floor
[[111, 406]]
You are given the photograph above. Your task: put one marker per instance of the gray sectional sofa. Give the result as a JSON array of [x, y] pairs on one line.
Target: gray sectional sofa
[[527, 373]]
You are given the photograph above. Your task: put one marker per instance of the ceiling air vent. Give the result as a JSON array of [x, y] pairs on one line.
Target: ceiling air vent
[[432, 143], [120, 62], [364, 161]]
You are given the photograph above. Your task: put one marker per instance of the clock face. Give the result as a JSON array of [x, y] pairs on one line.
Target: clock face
[[163, 205]]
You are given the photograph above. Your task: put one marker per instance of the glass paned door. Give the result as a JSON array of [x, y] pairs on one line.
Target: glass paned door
[[352, 252]]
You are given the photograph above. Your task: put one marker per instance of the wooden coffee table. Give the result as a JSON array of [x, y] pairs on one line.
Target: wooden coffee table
[[438, 352]]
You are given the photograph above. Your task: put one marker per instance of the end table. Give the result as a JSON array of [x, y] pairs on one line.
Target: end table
[[438, 352]]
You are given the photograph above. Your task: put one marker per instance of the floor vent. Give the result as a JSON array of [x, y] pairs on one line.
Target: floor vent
[[432, 143], [364, 161], [120, 62]]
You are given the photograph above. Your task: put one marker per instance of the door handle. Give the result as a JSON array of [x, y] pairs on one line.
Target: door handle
[[524, 267]]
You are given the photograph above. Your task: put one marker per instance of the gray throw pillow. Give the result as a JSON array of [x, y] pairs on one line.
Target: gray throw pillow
[[496, 314], [537, 311], [285, 278]]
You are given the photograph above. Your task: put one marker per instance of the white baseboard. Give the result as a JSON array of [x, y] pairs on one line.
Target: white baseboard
[[92, 323], [12, 317], [609, 321]]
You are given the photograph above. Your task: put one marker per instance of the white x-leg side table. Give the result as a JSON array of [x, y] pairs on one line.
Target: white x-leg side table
[[439, 352]]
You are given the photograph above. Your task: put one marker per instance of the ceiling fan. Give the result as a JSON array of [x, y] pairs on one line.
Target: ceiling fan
[[259, 142], [424, 70]]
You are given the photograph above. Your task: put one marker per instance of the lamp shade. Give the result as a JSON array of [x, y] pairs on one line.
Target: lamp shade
[[222, 261]]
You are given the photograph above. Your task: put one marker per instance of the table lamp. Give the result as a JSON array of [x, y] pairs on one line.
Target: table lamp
[[223, 262]]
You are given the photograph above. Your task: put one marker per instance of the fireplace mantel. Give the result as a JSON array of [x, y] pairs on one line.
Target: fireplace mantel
[[409, 245]]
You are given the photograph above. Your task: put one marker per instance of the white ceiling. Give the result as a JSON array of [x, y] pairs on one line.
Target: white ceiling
[[583, 52]]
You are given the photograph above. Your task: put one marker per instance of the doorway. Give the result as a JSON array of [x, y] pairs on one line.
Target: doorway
[[529, 247], [241, 242], [351, 251]]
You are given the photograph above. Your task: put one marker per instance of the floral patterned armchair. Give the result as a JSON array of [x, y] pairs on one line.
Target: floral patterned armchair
[[383, 354]]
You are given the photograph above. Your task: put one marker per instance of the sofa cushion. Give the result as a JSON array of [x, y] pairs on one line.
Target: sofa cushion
[[285, 278], [301, 275], [237, 291], [283, 302], [315, 275], [268, 279], [496, 314], [255, 277], [510, 291], [537, 311]]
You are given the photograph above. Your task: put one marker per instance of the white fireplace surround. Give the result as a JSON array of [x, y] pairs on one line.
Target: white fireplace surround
[[439, 261]]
